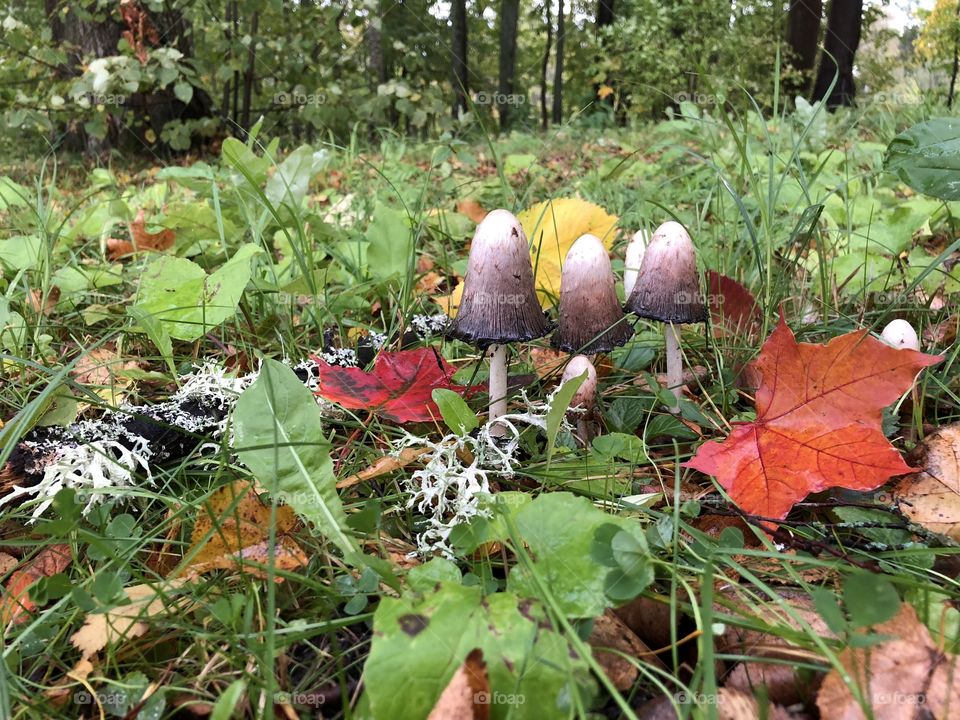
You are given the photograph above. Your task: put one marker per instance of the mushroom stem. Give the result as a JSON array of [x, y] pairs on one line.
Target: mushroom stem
[[674, 363], [498, 385]]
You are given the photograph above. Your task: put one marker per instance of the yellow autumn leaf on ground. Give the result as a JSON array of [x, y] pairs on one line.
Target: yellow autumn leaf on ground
[[604, 91], [233, 531], [551, 228], [126, 621]]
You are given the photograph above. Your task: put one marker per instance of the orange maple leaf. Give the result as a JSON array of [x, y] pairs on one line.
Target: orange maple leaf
[[142, 240], [818, 426]]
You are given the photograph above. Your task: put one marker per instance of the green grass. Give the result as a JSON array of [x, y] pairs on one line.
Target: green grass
[[750, 190]]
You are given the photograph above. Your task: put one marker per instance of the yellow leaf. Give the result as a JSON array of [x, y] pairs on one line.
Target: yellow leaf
[[604, 91], [552, 227], [233, 531], [124, 622]]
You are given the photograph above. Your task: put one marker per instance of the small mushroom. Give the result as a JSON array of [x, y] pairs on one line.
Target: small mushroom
[[499, 304], [585, 397], [668, 289], [901, 335], [632, 260], [591, 318]]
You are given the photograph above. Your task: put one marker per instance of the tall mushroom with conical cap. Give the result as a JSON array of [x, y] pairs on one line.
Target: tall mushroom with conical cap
[[668, 290], [591, 319], [499, 304]]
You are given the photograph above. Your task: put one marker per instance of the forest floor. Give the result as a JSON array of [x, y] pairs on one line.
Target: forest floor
[[246, 474]]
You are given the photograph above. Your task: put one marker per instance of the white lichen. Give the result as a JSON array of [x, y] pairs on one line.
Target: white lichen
[[448, 491]]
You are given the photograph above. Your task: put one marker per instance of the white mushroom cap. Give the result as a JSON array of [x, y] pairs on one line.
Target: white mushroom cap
[[901, 335], [668, 285], [499, 303], [591, 319], [633, 259], [586, 395]]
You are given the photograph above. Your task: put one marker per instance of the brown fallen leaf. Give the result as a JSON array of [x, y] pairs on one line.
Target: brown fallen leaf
[[383, 465], [467, 695], [16, 603], [233, 532], [429, 283], [472, 209], [736, 705], [903, 677], [547, 361], [611, 640], [41, 305], [143, 241], [931, 497], [7, 563], [125, 622], [65, 687], [105, 372]]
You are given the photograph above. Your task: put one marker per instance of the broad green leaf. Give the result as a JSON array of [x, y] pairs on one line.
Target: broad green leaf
[[227, 702], [12, 194], [456, 413], [420, 641], [279, 435], [185, 300], [183, 91], [252, 167], [927, 157], [289, 183], [20, 252], [559, 407], [390, 243], [870, 598], [559, 529]]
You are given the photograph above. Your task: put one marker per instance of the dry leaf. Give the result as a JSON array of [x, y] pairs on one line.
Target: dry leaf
[[126, 621], [901, 678], [818, 422], [552, 227], [472, 209], [383, 465], [428, 283], [43, 306], [611, 639], [16, 601], [931, 497], [65, 687], [142, 240], [467, 695], [103, 371], [7, 563], [233, 532], [547, 361]]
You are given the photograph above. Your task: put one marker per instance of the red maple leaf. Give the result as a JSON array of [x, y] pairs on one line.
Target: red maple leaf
[[818, 422], [733, 309], [399, 387]]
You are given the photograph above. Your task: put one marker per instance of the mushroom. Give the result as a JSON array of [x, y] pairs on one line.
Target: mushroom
[[632, 260], [668, 289], [591, 318], [499, 304], [901, 335], [586, 395]]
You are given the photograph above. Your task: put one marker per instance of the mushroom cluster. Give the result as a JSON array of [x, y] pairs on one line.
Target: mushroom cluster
[[500, 304]]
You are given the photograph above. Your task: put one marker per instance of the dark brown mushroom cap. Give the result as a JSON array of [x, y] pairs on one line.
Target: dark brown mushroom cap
[[499, 303], [591, 319], [668, 285]]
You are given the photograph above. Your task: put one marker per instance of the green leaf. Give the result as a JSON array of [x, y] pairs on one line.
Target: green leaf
[[420, 641], [183, 91], [870, 598], [559, 407], [227, 702], [290, 181], [620, 445], [826, 604], [278, 434], [390, 243], [178, 294], [560, 528], [20, 252], [927, 157], [456, 413]]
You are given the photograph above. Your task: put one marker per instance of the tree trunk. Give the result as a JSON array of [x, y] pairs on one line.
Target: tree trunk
[[544, 65], [605, 16], [250, 73], [458, 53], [140, 115], [509, 16], [558, 68], [956, 61], [839, 48], [803, 34]]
